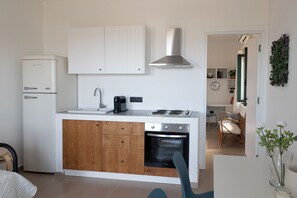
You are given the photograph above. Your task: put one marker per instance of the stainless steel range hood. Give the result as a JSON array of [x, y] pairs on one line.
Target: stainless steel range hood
[[173, 51]]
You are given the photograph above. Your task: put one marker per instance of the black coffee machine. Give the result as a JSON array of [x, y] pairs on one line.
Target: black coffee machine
[[120, 104]]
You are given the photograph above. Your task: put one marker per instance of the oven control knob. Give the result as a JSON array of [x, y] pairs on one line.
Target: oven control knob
[[180, 128], [152, 127]]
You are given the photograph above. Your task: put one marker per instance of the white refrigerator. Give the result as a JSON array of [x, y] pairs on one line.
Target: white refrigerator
[[47, 89]]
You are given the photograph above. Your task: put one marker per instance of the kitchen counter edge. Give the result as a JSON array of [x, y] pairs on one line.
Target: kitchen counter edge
[[194, 114]]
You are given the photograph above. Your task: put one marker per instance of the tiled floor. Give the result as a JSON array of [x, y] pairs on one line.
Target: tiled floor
[[50, 186]]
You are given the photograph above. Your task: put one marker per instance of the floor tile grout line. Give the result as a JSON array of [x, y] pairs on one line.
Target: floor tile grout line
[[113, 189]]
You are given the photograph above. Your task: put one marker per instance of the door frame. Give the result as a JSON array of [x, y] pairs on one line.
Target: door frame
[[262, 79]]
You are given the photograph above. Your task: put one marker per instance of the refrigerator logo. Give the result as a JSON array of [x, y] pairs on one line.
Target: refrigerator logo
[[47, 88]]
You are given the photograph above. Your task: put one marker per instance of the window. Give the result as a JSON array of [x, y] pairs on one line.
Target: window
[[242, 77]]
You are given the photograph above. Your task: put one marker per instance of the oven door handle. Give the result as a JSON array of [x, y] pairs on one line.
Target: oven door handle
[[166, 136]]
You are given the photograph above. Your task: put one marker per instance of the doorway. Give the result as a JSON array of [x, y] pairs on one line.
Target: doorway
[[255, 84], [222, 66]]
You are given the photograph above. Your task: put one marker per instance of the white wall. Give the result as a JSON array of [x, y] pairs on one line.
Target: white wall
[[20, 33], [221, 53], [162, 88], [281, 103]]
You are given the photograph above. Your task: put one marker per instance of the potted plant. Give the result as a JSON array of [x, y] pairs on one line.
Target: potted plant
[[276, 142], [232, 73]]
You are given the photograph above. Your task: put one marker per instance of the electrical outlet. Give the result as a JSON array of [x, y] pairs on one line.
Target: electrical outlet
[[135, 99]]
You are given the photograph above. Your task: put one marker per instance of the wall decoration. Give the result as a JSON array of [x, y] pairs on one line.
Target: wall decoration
[[215, 85], [279, 60]]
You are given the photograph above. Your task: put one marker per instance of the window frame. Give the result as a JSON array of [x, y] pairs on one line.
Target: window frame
[[240, 76]]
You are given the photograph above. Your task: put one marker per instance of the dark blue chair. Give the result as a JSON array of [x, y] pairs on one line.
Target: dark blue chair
[[157, 193], [182, 170]]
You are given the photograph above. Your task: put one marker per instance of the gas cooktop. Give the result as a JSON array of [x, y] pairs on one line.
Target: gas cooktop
[[170, 113]]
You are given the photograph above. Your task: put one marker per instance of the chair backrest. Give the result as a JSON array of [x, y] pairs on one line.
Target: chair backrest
[[242, 121], [242, 113], [182, 170], [13, 154], [157, 193]]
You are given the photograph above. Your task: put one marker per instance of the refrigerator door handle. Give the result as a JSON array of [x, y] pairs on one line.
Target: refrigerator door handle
[[30, 97], [29, 88]]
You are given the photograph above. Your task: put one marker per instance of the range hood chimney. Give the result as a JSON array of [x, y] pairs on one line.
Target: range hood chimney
[[173, 51]]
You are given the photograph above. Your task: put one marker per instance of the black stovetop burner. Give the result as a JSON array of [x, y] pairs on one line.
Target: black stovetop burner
[[159, 112], [164, 112], [176, 112]]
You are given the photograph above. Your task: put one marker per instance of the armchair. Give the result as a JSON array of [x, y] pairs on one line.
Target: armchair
[[231, 124]]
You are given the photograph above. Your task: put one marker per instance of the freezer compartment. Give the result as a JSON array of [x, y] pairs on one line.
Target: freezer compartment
[[39, 76], [39, 132]]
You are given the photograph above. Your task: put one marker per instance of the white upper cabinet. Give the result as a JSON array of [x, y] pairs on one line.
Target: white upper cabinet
[[125, 49], [86, 50], [107, 50]]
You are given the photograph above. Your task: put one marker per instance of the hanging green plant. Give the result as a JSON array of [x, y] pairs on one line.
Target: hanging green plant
[[279, 60]]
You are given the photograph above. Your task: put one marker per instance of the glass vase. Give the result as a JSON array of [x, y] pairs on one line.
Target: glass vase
[[278, 166]]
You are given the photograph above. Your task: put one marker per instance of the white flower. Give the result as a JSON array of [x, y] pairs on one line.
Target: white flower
[[281, 124], [261, 125]]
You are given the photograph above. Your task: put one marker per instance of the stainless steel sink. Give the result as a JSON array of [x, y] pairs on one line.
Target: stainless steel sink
[[91, 110]]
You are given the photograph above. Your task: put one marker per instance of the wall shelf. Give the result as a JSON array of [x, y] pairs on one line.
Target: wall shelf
[[222, 73], [217, 73]]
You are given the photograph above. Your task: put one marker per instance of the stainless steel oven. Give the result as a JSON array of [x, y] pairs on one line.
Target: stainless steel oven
[[162, 140]]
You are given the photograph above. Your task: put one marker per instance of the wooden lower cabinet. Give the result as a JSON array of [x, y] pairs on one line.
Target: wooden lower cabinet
[[82, 145], [103, 146], [123, 147]]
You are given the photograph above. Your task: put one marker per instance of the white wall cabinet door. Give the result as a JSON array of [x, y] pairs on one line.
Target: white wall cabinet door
[[86, 50], [125, 49]]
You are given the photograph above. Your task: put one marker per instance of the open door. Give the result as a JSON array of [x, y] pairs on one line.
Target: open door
[[252, 94]]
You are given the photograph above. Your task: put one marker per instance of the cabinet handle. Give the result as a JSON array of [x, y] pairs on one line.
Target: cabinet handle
[[97, 124], [122, 161], [122, 142], [138, 69], [166, 136], [100, 69], [29, 88], [30, 97], [122, 128]]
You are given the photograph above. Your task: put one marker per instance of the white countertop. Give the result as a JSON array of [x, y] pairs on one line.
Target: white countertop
[[194, 114]]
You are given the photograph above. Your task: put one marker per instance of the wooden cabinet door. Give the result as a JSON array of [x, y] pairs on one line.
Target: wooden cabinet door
[[127, 44], [86, 50], [115, 160], [123, 128], [72, 136], [119, 128], [136, 154], [123, 147], [115, 141], [115, 153], [93, 146], [82, 145]]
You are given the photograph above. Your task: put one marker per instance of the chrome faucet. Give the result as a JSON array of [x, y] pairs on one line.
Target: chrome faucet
[[101, 105]]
